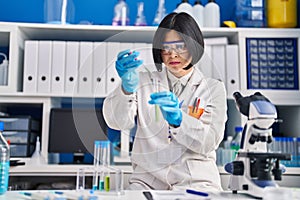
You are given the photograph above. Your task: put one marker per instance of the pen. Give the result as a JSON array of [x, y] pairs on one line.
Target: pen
[[43, 196], [71, 195], [197, 106], [180, 104], [194, 104], [197, 193]]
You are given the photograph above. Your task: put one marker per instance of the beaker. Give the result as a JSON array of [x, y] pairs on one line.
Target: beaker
[[59, 11]]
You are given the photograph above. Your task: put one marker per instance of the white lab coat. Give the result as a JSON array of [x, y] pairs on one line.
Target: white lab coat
[[189, 161]]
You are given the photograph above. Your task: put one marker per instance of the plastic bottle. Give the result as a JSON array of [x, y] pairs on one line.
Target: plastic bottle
[[198, 13], [59, 11], [236, 141], [4, 161], [281, 14], [160, 13], [298, 151], [140, 18], [37, 158], [3, 69], [185, 6], [228, 142], [211, 14], [121, 13]]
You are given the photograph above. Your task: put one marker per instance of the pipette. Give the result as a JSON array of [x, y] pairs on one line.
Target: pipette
[[156, 89]]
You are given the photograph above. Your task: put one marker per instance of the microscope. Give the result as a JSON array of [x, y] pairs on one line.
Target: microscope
[[253, 167]]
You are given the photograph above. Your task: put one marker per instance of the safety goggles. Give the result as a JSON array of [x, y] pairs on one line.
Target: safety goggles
[[177, 46]]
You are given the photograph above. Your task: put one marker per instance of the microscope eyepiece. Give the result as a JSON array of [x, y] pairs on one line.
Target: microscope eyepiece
[[237, 96]]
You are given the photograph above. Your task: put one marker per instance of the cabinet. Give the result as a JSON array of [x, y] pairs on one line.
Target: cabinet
[[14, 35]]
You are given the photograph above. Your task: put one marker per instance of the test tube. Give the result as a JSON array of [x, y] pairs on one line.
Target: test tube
[[156, 89], [119, 181], [95, 179], [105, 153], [97, 154], [80, 179], [106, 178], [101, 181]]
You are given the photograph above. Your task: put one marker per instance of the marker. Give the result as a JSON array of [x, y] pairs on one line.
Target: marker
[[203, 194]]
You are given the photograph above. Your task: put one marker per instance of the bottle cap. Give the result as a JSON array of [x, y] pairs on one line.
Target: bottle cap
[[238, 129], [97, 143], [198, 2], [1, 126]]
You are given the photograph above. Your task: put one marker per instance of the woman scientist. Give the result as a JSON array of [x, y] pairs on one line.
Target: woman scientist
[[177, 134]]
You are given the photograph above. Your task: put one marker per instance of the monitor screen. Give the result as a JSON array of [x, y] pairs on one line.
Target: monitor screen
[[75, 130]]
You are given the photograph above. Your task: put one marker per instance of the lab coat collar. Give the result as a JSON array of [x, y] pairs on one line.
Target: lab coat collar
[[194, 81]]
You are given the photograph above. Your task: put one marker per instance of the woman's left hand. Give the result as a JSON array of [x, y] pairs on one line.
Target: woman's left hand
[[169, 105]]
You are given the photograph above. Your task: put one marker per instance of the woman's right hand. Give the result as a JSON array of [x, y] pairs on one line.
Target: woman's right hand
[[126, 65]]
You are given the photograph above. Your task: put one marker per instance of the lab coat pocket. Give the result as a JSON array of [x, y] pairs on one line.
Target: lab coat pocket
[[203, 170]]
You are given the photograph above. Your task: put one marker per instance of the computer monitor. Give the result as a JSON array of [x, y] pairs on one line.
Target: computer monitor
[[75, 130]]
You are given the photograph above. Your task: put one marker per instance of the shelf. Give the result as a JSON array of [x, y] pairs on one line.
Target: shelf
[[36, 31]]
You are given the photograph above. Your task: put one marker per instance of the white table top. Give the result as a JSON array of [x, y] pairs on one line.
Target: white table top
[[138, 195]]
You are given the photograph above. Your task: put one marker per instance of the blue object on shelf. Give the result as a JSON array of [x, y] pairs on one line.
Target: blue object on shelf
[[272, 63]]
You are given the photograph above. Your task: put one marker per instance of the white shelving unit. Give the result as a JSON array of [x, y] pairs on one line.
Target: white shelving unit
[[13, 36]]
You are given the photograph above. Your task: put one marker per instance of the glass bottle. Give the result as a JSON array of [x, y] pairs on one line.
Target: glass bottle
[[160, 13], [121, 14], [140, 18]]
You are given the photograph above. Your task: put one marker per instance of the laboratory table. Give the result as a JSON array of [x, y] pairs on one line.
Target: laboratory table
[[138, 195]]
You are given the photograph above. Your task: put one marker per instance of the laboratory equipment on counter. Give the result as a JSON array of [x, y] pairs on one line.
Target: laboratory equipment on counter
[[252, 169]]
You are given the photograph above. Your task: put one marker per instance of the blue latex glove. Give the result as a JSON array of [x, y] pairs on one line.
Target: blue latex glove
[[126, 65], [169, 106]]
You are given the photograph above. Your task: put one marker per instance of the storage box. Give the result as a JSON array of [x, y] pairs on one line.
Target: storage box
[[20, 123], [20, 137], [21, 150], [250, 13], [21, 132]]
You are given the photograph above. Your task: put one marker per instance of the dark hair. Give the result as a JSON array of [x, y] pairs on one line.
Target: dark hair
[[187, 28]]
